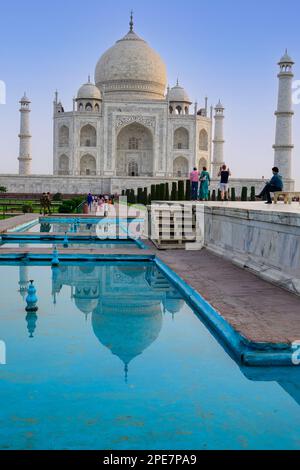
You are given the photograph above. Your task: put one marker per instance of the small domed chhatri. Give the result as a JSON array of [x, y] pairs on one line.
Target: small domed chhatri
[[178, 94], [89, 91]]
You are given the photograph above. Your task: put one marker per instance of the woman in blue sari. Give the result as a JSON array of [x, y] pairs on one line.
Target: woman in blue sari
[[204, 184]]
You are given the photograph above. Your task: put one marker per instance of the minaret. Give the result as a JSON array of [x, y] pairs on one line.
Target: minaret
[[284, 115], [25, 138], [23, 280], [218, 153]]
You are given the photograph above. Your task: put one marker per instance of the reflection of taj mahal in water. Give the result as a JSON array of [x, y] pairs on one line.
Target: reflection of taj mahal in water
[[126, 303]]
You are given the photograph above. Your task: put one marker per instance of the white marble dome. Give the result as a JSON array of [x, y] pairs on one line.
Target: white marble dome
[[131, 68], [177, 94], [89, 91]]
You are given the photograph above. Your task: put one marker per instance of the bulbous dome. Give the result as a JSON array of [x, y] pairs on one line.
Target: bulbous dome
[[127, 327], [89, 91], [131, 68], [178, 94]]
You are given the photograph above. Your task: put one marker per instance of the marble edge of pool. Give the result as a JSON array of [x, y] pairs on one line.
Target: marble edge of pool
[[245, 351]]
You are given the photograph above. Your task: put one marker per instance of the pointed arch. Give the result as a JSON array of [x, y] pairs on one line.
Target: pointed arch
[[63, 136], [181, 138], [88, 136], [203, 140], [135, 150], [88, 165], [64, 165], [180, 167]]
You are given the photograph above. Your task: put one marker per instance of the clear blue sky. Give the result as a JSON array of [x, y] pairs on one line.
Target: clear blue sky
[[225, 49]]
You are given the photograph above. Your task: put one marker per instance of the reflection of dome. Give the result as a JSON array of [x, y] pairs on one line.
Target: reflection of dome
[[131, 67], [173, 305], [127, 329], [132, 271], [86, 299], [86, 306], [89, 91], [87, 269]]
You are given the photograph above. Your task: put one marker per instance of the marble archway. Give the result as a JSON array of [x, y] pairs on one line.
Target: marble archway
[[181, 167], [135, 151], [88, 165]]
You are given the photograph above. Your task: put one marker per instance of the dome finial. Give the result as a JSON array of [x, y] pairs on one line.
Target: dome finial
[[177, 82], [131, 24], [89, 79]]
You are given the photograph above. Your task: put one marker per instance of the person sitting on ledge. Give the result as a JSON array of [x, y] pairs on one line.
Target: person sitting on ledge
[[273, 186]]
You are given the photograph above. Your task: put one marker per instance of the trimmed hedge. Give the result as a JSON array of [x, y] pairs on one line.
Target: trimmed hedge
[[244, 195], [181, 191], [233, 195], [188, 193], [167, 192], [174, 192]]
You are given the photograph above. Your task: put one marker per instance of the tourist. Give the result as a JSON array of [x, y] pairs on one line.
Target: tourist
[[273, 186], [204, 184], [48, 202], [90, 201], [224, 173], [43, 204], [194, 178]]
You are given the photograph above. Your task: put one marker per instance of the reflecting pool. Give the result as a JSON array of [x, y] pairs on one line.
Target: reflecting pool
[[115, 358]]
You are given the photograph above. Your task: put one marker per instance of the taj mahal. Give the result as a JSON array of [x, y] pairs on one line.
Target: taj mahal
[[130, 129]]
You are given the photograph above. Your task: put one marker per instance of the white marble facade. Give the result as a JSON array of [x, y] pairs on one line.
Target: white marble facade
[[130, 130], [129, 124]]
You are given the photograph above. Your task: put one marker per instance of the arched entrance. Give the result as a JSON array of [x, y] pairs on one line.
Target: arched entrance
[[63, 167], [88, 165], [181, 167], [202, 163], [135, 151]]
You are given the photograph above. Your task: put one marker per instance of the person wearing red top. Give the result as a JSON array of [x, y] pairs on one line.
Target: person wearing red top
[[194, 178]]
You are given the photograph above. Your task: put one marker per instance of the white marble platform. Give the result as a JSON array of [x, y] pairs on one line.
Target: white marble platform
[[262, 238]]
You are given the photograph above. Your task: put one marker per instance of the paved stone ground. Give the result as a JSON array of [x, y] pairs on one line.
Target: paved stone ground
[[12, 222], [260, 311]]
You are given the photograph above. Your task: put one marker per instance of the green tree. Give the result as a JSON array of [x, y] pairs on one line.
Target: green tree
[[244, 195], [174, 194], [145, 196], [153, 192], [157, 192], [140, 195], [162, 191], [252, 196], [181, 190], [233, 196], [187, 190], [167, 192]]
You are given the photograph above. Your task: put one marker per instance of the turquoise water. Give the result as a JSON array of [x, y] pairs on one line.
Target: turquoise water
[[116, 359], [100, 244], [106, 227]]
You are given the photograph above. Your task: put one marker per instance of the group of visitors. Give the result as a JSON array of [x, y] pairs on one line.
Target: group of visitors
[[272, 186], [45, 203], [204, 179], [100, 203]]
